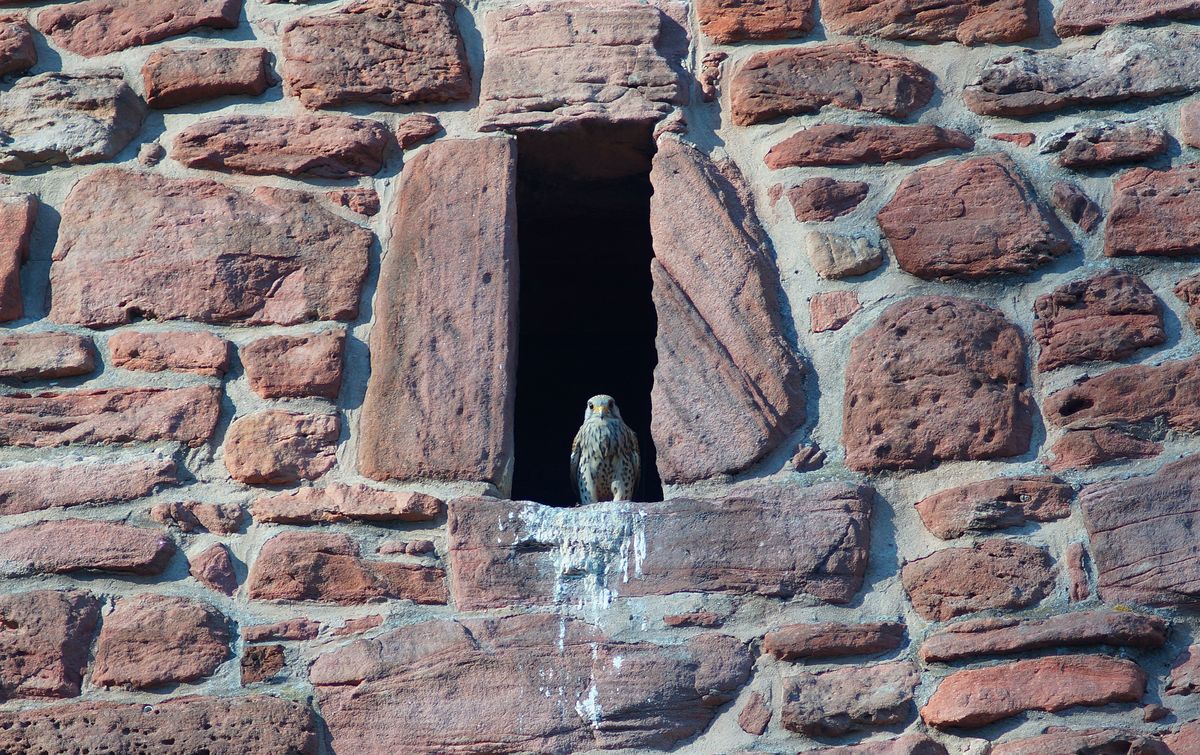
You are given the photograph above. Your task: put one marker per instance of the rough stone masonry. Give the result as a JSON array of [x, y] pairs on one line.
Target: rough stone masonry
[[927, 400]]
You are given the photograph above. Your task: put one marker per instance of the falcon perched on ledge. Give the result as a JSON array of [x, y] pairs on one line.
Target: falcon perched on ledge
[[605, 465]]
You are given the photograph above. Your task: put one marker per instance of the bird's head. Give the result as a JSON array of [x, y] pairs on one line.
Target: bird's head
[[601, 407]]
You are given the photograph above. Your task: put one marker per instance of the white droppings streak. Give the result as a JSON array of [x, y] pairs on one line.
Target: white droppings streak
[[590, 547]]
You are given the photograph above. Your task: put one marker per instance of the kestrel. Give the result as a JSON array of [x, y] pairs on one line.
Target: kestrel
[[605, 465]]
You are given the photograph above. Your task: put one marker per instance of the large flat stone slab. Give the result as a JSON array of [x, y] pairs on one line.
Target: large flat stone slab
[[552, 64], [67, 118], [200, 250], [394, 52], [798, 80], [1143, 536], [259, 725], [98, 27], [440, 400], [1126, 63], [970, 22], [533, 683], [109, 415], [970, 218], [720, 336], [44, 643], [777, 541], [936, 378]]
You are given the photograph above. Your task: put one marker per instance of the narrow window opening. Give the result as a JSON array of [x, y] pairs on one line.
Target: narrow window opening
[[587, 322]]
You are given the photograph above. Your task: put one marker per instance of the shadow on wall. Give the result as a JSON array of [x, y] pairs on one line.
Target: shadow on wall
[[587, 322]]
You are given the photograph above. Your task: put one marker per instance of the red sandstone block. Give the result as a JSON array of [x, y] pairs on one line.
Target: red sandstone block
[[197, 352], [295, 366], [175, 77]]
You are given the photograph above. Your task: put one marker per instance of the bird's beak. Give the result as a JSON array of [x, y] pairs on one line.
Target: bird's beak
[[601, 410]]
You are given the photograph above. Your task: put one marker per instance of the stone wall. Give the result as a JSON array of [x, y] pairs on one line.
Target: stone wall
[[926, 404]]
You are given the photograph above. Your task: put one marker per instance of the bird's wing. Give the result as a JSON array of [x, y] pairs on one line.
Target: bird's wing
[[575, 452], [636, 460]]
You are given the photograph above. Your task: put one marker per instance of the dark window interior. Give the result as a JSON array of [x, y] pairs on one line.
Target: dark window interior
[[587, 322]]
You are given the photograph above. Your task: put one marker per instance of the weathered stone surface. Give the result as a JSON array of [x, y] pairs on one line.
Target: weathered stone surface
[[707, 619], [995, 505], [552, 64], [34, 487], [1084, 741], [826, 198], [69, 545], [1142, 531], [342, 503], [98, 27], [175, 77], [439, 403], [936, 378], [833, 703], [426, 674], [17, 216], [827, 640], [1074, 559], [729, 21], [1077, 205], [756, 715], [213, 568], [801, 80], [387, 51], [1135, 402], [796, 81], [292, 629], [970, 219], [293, 261], [1084, 448], [192, 516], [73, 118], [764, 540], [908, 744], [1186, 741], [1126, 63], [261, 662], [1185, 673], [1103, 143], [357, 626], [313, 146], [978, 697], [842, 144], [245, 725], [151, 640], [1103, 318], [1188, 291], [275, 447], [971, 22], [992, 574], [363, 201], [1151, 213], [1189, 124], [295, 366], [197, 352], [1083, 16], [44, 356], [973, 637], [16, 45], [327, 568], [109, 415], [720, 336], [414, 129], [830, 310], [836, 256], [44, 642]]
